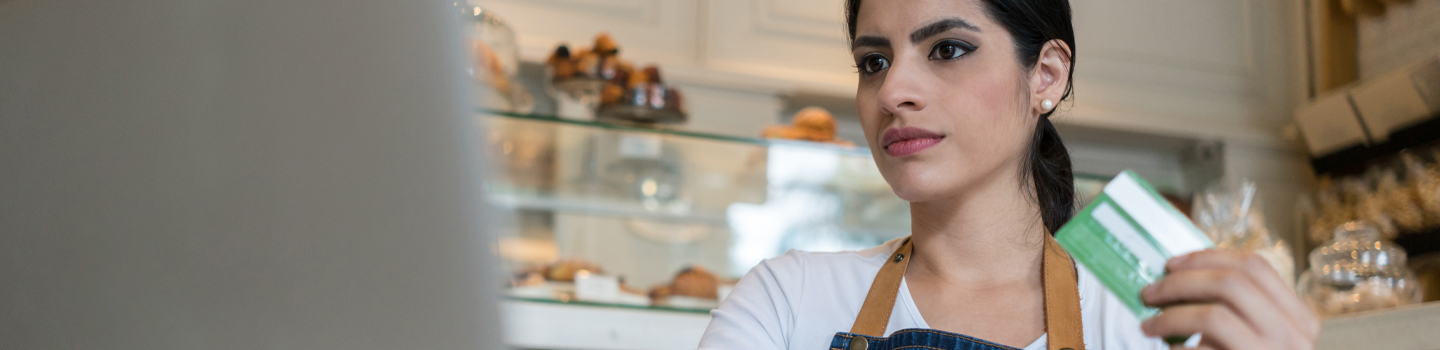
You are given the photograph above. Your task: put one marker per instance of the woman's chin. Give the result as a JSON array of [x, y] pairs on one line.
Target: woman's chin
[[915, 183], [914, 189], [921, 182], [915, 194]]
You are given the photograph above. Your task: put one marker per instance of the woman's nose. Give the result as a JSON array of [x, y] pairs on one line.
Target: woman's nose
[[900, 91]]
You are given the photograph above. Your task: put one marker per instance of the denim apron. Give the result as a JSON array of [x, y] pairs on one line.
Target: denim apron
[[1062, 310]]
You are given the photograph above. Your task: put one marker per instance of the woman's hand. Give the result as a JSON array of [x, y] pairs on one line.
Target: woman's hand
[[1234, 299]]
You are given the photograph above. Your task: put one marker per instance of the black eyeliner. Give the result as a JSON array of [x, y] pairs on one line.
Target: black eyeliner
[[967, 46], [959, 44]]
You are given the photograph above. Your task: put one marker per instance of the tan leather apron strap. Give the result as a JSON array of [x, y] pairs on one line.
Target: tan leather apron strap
[[1063, 322], [875, 313], [1062, 296]]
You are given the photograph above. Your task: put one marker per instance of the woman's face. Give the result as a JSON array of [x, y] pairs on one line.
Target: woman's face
[[944, 103]]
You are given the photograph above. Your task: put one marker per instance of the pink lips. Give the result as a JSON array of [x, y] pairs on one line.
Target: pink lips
[[908, 140]]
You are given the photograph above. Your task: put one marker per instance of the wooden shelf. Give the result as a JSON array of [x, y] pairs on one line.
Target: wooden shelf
[[1420, 243], [1355, 160]]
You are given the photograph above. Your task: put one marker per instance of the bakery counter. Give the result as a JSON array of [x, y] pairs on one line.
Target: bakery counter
[[543, 324], [1411, 327], [538, 324]]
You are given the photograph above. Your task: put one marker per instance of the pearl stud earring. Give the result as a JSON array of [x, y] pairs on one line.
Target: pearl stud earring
[[1047, 105]]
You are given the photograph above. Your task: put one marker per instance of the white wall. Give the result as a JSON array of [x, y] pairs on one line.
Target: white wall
[[1406, 33], [219, 174]]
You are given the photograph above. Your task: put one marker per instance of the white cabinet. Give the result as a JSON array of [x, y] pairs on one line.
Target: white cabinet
[[1224, 68], [662, 31], [799, 40]]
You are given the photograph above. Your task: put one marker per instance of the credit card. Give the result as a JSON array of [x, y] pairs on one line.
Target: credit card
[[1126, 235]]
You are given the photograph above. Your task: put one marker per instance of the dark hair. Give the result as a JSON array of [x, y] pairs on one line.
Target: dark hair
[[1033, 23]]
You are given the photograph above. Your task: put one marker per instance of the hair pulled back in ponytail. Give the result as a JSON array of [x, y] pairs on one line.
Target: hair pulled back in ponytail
[[1032, 23]]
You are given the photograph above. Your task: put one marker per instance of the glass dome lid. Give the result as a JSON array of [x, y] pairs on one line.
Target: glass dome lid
[[1357, 271], [1356, 252]]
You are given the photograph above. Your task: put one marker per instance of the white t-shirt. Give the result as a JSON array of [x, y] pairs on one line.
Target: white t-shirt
[[798, 301]]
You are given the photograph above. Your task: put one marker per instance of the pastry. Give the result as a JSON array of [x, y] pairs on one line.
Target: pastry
[[612, 94], [637, 79], [809, 124], [561, 64], [693, 281], [586, 63], [532, 276], [780, 132], [816, 124], [564, 271], [696, 282], [492, 72], [660, 293], [605, 45]]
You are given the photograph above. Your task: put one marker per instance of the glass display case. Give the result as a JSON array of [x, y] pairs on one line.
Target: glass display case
[[663, 218]]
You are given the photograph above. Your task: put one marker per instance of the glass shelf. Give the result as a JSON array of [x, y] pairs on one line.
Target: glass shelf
[[603, 169], [607, 305], [657, 129]]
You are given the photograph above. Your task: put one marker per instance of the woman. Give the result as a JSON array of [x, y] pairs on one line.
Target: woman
[[955, 98]]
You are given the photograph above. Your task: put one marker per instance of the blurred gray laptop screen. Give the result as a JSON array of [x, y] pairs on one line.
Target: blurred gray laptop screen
[[239, 174]]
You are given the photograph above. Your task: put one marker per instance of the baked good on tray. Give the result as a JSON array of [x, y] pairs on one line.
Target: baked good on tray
[[809, 124], [693, 281], [640, 97], [621, 92], [564, 271]]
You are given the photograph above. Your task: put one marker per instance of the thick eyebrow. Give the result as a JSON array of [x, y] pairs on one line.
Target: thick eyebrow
[[869, 41], [938, 27]]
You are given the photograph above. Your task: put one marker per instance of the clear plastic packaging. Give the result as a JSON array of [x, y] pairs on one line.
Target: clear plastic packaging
[[1424, 183], [1332, 212], [1229, 213], [1358, 271], [1399, 203], [1370, 205]]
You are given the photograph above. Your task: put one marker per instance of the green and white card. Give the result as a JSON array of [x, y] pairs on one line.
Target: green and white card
[[1126, 235]]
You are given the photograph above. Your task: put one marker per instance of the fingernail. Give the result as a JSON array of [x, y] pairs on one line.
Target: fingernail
[[1145, 326], [1147, 290]]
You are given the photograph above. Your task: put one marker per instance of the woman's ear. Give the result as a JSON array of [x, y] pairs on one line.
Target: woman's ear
[[1050, 76]]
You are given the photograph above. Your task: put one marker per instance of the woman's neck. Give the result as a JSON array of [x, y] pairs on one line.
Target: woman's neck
[[992, 234]]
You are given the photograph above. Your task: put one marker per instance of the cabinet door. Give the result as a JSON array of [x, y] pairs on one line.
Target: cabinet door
[[799, 40], [1212, 63]]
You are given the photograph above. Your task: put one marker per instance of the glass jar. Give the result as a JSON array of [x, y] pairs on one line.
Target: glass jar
[[494, 61], [1357, 271]]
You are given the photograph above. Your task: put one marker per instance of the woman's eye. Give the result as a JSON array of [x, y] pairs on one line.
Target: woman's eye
[[948, 50], [873, 63]]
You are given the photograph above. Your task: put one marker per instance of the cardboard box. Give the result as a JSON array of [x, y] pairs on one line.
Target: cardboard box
[[1393, 101], [1330, 124]]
